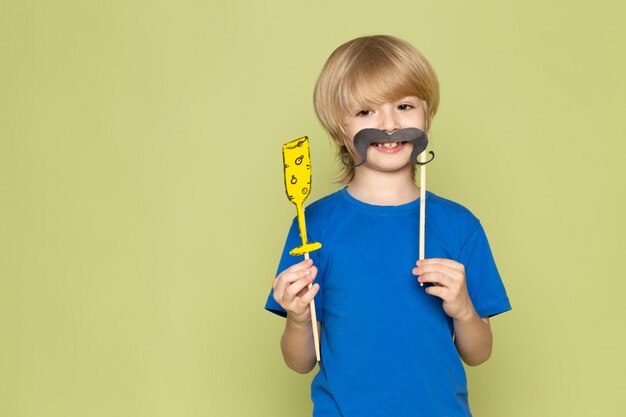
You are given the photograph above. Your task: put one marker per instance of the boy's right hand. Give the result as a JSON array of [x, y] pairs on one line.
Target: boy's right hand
[[291, 290]]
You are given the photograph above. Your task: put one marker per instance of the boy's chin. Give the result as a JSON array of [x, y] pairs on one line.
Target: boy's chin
[[384, 165]]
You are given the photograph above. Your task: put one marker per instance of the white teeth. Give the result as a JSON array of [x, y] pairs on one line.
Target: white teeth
[[388, 145]]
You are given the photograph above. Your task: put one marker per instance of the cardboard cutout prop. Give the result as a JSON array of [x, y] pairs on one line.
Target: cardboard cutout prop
[[297, 170], [364, 138]]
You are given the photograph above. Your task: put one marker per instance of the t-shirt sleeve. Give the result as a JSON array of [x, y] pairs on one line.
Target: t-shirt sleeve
[[484, 284], [286, 260]]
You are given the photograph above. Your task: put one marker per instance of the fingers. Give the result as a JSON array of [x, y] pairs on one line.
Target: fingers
[[297, 286], [449, 263], [291, 286], [308, 296], [298, 304], [445, 272], [434, 277], [291, 274], [298, 308], [436, 291], [300, 266], [450, 286]]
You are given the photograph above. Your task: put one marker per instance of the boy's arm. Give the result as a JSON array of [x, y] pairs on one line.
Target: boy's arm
[[297, 345], [473, 338], [292, 293]]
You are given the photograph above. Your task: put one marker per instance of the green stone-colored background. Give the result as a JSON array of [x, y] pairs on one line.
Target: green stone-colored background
[[142, 210]]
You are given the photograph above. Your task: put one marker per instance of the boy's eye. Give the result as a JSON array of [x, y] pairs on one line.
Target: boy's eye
[[363, 113], [404, 106]]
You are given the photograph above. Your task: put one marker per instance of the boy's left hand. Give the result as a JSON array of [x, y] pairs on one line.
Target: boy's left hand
[[449, 279]]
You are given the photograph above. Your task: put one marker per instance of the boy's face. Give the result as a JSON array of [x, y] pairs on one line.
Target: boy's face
[[388, 117]]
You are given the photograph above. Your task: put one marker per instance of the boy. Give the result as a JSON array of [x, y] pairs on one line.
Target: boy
[[389, 346]]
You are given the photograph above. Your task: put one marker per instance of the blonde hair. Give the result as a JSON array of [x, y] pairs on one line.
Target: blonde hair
[[368, 71]]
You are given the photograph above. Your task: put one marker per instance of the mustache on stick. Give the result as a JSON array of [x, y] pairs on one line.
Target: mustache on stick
[[364, 138]]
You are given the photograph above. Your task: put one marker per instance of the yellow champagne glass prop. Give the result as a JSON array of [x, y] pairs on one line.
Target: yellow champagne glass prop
[[297, 164], [297, 170]]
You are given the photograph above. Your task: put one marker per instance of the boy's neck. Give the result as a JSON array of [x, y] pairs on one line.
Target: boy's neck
[[389, 189]]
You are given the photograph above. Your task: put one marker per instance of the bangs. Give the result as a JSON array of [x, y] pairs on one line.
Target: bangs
[[376, 80]]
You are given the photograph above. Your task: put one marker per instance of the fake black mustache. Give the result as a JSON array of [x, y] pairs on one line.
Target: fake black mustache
[[364, 138]]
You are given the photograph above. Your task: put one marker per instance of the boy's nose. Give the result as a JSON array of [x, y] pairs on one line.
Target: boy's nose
[[389, 123]]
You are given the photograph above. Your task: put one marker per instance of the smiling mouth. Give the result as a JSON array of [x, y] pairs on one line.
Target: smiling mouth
[[387, 145]]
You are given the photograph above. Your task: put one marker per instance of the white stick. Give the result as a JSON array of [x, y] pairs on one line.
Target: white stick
[[316, 340], [422, 237]]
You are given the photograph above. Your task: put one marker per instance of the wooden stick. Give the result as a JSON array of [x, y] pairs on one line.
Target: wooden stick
[[316, 340], [422, 233]]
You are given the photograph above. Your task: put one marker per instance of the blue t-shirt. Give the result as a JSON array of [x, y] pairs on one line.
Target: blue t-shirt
[[387, 347]]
